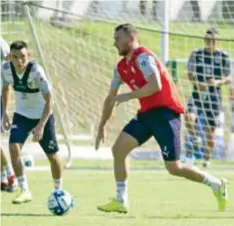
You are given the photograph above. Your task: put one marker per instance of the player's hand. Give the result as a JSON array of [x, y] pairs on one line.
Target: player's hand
[[6, 122], [214, 82], [100, 137], [38, 133], [201, 86], [121, 98]]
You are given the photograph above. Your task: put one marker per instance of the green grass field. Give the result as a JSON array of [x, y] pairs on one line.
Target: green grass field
[[156, 199], [80, 61]]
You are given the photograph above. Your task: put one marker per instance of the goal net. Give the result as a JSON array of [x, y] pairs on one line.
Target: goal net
[[74, 42]]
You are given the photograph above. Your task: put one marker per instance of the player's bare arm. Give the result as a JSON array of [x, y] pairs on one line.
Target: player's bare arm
[[108, 106], [201, 86], [38, 130], [6, 101], [154, 85], [224, 81], [106, 114]]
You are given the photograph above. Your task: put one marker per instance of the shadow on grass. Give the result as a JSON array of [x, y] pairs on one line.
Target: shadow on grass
[[26, 215]]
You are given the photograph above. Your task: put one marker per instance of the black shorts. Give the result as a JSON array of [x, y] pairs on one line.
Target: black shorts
[[23, 126], [164, 125], [207, 114]]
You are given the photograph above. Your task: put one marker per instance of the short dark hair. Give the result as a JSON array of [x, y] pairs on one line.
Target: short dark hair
[[128, 28], [212, 33], [18, 45]]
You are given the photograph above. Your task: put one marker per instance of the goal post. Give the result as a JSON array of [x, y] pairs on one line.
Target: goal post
[[12, 22], [57, 107]]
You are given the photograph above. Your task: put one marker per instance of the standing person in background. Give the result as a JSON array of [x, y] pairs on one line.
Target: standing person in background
[[231, 145], [208, 70]]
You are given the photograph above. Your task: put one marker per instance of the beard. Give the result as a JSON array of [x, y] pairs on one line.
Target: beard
[[125, 51]]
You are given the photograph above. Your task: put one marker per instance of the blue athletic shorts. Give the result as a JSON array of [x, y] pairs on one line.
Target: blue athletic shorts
[[161, 123], [23, 126]]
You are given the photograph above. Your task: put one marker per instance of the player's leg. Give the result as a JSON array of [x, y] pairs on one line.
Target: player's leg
[[134, 134], [124, 144], [21, 127], [167, 133], [211, 119], [210, 144], [8, 180], [3, 160], [231, 142], [190, 123], [56, 169], [4, 181], [50, 146], [191, 118], [193, 138]]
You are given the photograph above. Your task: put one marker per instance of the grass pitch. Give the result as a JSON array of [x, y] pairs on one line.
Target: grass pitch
[[156, 198]]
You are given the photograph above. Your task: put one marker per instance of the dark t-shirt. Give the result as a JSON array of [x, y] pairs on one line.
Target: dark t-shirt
[[205, 66]]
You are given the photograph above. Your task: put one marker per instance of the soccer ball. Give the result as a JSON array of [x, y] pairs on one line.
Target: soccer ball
[[60, 202], [28, 161]]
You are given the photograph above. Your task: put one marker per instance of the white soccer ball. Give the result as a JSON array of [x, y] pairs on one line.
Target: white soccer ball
[[60, 202], [28, 161]]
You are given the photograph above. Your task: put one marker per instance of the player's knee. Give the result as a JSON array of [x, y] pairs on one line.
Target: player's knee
[[174, 168], [190, 119], [116, 151], [123, 146], [231, 94], [54, 158], [210, 136], [210, 142]]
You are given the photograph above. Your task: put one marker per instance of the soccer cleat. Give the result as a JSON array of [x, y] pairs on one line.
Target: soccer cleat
[[113, 206], [12, 184], [22, 197], [222, 195], [4, 186]]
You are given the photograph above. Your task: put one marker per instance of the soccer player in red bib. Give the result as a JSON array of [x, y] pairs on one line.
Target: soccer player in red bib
[[158, 116]]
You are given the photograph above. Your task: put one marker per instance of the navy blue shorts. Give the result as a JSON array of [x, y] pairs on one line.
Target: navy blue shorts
[[164, 125], [207, 114], [23, 126]]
